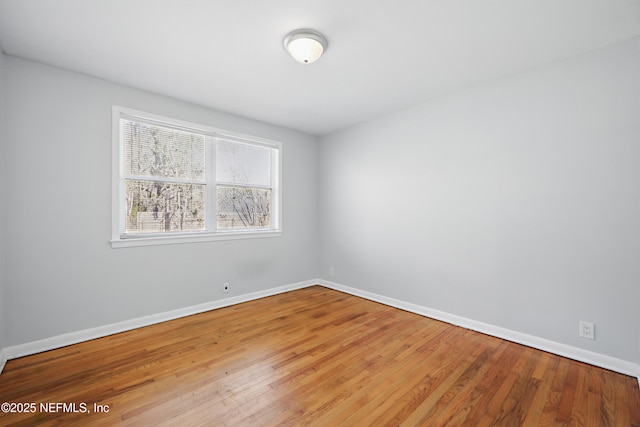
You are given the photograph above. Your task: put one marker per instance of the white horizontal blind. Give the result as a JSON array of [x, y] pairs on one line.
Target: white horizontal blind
[[164, 173], [244, 182], [242, 163]]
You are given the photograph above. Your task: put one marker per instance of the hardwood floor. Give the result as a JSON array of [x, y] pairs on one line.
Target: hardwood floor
[[312, 357]]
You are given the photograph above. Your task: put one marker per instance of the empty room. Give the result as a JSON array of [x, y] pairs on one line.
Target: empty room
[[331, 213]]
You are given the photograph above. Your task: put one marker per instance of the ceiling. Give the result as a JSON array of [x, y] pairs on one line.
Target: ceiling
[[383, 55]]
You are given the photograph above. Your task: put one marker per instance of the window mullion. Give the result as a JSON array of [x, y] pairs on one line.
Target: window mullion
[[243, 185], [163, 179]]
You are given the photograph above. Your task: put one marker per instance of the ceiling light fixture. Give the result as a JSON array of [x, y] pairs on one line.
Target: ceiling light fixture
[[305, 45]]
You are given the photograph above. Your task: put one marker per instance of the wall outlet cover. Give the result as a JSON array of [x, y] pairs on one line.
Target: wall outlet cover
[[587, 330]]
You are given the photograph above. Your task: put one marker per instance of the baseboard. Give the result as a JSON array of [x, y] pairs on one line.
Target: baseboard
[[3, 359], [64, 340], [596, 359], [592, 358]]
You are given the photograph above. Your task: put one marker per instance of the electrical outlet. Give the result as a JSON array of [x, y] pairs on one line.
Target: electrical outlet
[[225, 288], [332, 271], [587, 330]]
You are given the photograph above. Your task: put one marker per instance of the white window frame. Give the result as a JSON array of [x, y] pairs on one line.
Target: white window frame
[[120, 239]]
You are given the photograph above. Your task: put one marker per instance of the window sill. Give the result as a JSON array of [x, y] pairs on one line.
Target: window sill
[[191, 238]]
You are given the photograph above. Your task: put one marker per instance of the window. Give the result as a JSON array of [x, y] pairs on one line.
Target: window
[[176, 182]]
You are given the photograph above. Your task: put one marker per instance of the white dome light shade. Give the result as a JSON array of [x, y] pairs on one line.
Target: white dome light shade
[[305, 46], [305, 50]]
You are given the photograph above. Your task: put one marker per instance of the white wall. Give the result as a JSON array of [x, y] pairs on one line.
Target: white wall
[[516, 203], [61, 273]]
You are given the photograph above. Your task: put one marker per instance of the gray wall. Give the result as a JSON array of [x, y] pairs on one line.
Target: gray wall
[[516, 203], [61, 273], [3, 323]]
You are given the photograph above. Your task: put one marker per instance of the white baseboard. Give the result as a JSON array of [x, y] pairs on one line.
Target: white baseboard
[[3, 359], [64, 340], [597, 359]]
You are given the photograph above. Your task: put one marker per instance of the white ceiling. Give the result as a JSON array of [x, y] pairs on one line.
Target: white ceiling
[[383, 55]]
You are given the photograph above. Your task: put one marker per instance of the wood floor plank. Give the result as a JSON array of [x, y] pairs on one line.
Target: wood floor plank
[[316, 357], [545, 373]]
